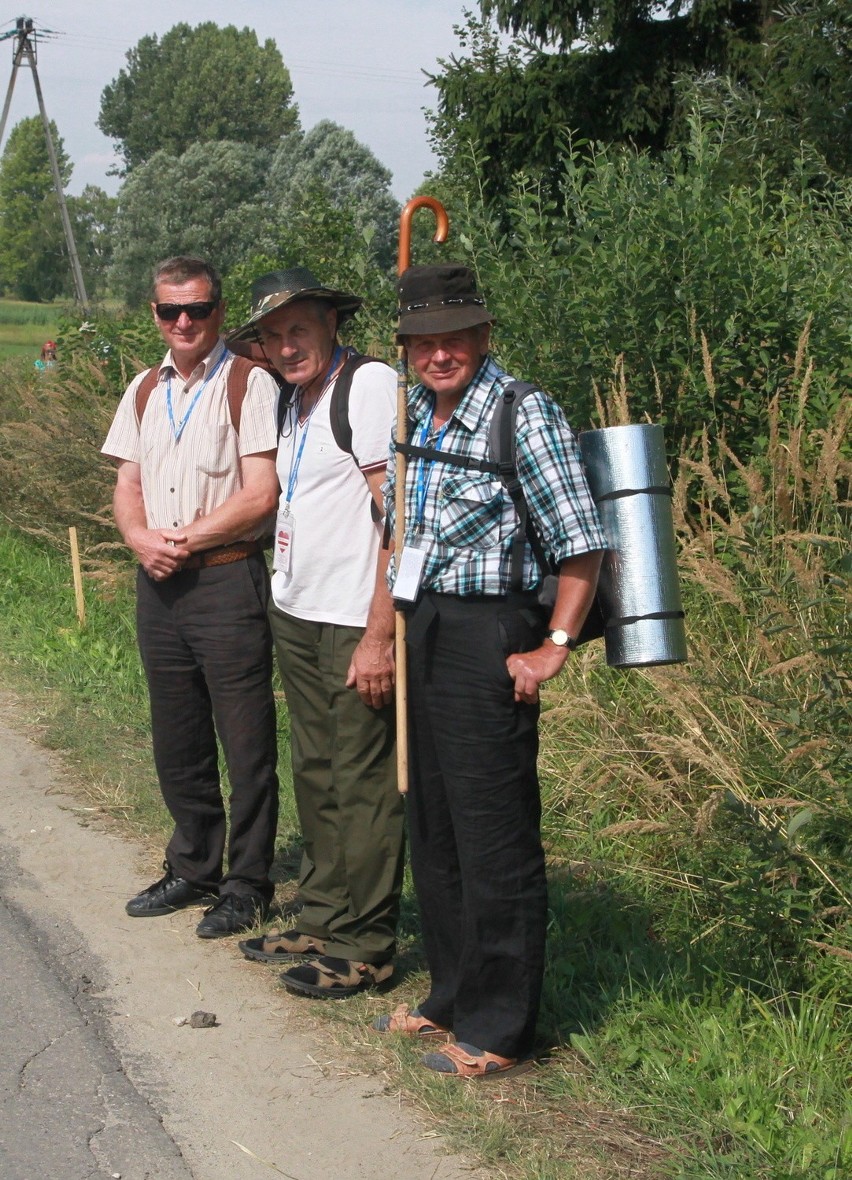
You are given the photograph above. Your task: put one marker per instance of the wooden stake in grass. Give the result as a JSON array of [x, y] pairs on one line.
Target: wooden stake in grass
[[78, 577]]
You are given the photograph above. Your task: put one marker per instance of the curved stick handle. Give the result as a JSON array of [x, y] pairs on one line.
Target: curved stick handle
[[442, 229]]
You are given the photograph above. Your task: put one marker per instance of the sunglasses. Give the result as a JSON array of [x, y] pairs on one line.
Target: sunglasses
[[170, 312]]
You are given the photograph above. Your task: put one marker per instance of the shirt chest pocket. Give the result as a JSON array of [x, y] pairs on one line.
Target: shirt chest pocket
[[215, 452], [470, 511]]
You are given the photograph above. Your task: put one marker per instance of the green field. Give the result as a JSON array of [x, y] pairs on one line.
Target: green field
[[24, 327]]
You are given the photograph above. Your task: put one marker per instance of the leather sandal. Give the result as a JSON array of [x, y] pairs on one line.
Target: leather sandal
[[287, 946], [330, 978], [409, 1023], [461, 1060]]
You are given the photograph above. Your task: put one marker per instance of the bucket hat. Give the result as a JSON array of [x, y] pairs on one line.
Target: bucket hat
[[435, 299], [280, 287]]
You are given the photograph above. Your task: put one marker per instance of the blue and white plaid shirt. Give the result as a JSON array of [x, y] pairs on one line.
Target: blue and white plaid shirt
[[468, 518]]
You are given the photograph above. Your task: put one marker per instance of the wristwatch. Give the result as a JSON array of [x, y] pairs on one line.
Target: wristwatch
[[561, 638]]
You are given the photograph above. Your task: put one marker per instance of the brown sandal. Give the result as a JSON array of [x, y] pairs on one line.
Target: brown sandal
[[461, 1060], [330, 978], [288, 946], [409, 1023]]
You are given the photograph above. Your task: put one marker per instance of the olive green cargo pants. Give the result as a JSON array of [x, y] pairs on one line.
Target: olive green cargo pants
[[344, 777]]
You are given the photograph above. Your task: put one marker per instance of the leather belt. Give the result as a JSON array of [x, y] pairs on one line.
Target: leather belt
[[222, 555]]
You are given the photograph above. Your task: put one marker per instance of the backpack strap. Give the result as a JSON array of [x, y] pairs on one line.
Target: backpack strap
[[502, 444], [144, 390], [468, 462], [341, 427], [237, 386]]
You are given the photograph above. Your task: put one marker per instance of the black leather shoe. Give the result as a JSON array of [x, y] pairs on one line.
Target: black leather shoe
[[165, 896], [232, 914]]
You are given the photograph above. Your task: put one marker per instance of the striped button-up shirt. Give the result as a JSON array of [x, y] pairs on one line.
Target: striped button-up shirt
[[465, 520], [188, 477]]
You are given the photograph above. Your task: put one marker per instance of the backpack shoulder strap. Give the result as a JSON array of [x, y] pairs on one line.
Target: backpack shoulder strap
[[237, 385], [338, 412], [144, 390], [502, 444]]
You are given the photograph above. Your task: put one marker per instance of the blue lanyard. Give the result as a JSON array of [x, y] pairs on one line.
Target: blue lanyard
[[178, 430], [424, 469], [296, 457]]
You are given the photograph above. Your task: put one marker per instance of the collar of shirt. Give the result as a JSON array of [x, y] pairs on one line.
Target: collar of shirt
[[468, 413], [206, 365]]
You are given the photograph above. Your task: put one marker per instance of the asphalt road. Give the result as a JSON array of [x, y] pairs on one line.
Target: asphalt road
[[67, 1110]]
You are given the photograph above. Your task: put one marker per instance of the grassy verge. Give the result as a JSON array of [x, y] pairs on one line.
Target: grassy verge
[[697, 1021]]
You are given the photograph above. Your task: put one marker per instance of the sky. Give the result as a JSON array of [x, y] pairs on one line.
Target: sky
[[356, 62]]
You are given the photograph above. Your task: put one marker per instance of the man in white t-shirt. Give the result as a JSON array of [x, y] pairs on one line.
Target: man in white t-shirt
[[334, 647]]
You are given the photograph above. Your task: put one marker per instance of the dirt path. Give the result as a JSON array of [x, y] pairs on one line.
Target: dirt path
[[256, 1079]]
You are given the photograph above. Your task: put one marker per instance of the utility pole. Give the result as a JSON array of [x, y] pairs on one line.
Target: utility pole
[[25, 42]]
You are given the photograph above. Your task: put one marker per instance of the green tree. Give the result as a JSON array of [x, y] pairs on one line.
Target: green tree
[[206, 201], [809, 76], [92, 216], [197, 85], [330, 159], [33, 255], [608, 71]]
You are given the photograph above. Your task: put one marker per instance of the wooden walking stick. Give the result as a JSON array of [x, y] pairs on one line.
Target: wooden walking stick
[[442, 229]]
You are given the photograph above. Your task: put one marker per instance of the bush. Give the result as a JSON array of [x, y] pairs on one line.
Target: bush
[[659, 268]]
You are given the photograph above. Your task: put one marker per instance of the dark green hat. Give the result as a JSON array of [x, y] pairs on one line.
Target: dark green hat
[[435, 299]]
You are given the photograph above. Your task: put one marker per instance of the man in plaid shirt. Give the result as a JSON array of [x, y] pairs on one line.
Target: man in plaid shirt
[[478, 650]]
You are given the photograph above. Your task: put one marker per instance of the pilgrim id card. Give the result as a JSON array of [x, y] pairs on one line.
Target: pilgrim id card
[[406, 587], [282, 557]]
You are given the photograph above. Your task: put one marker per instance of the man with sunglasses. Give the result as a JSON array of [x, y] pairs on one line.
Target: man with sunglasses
[[193, 497]]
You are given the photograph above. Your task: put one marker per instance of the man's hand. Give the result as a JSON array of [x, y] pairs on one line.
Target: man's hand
[[161, 553], [371, 671], [530, 669], [578, 578]]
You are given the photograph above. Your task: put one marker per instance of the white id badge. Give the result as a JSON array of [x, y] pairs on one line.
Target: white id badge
[[406, 587], [285, 526]]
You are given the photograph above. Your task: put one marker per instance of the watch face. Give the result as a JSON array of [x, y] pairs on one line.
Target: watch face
[[560, 638]]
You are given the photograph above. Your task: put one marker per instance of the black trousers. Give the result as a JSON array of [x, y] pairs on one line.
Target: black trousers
[[207, 651], [474, 815]]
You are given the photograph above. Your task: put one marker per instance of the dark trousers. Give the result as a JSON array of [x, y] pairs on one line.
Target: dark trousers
[[474, 822], [344, 778], [207, 652]]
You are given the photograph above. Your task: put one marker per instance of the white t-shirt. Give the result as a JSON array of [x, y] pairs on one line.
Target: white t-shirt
[[335, 538]]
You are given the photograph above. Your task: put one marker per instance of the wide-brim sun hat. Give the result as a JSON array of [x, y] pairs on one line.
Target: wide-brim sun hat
[[281, 287], [437, 299]]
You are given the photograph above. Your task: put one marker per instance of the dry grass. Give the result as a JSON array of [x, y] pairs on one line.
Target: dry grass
[[757, 716], [52, 474]]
